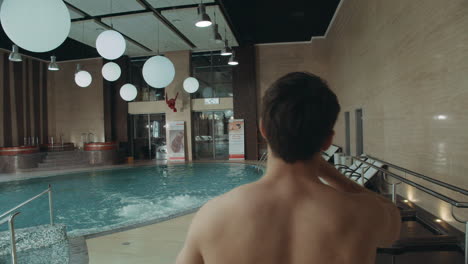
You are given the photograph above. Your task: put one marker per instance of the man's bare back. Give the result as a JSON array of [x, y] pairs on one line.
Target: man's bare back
[[292, 219], [290, 216]]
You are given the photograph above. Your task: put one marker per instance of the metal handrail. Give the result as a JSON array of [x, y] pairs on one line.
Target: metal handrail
[[424, 177], [11, 227], [417, 186], [262, 160], [51, 209], [431, 192]]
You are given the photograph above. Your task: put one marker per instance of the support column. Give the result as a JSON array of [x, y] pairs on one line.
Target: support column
[[245, 97]]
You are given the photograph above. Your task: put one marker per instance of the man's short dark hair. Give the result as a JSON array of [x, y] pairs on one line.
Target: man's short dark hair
[[298, 114]]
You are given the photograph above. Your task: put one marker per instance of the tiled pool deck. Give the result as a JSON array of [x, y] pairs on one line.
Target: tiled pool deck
[[157, 243]]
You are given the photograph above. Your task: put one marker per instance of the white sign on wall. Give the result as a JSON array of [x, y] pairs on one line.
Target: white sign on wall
[[236, 140], [176, 141], [211, 101]]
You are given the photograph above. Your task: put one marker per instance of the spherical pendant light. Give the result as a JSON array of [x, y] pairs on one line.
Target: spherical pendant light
[[128, 92], [158, 71], [37, 26], [111, 71], [110, 44], [191, 85], [83, 79]]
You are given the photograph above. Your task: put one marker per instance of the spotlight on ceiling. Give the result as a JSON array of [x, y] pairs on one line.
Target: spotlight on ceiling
[[226, 51], [14, 55], [53, 66], [233, 61], [217, 37], [204, 19]]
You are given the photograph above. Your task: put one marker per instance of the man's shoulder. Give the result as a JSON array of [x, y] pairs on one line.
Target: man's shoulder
[[233, 200]]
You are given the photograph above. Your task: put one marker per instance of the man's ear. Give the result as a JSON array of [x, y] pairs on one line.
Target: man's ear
[[328, 141], [262, 129]]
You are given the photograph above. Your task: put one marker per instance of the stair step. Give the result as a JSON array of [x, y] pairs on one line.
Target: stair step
[[63, 153], [56, 168], [33, 237], [74, 159], [62, 164]]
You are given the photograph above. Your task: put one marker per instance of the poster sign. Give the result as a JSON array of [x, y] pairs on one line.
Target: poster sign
[[176, 141], [236, 139]]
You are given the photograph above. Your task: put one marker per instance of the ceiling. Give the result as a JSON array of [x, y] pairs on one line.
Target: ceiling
[[274, 21], [168, 25]]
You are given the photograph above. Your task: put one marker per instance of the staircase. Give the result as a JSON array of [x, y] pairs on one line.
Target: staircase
[[64, 160]]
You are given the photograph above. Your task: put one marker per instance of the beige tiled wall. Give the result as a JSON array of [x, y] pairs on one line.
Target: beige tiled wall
[[406, 64], [274, 61], [74, 110], [181, 60]]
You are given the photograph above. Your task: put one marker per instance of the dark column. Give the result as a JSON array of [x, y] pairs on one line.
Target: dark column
[[36, 98], [45, 121], [7, 122], [115, 108], [245, 97]]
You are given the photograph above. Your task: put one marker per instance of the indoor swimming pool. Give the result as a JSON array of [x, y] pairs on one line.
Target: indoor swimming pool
[[96, 201]]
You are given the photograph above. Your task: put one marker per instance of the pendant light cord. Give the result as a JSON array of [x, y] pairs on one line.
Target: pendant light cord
[[83, 39], [112, 20], [158, 36]]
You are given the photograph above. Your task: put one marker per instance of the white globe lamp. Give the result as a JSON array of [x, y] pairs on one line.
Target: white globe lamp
[[37, 26], [191, 85], [128, 92], [83, 79], [158, 72], [111, 71], [110, 44]]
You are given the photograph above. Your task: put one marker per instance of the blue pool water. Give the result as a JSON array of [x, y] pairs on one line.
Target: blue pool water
[[96, 201]]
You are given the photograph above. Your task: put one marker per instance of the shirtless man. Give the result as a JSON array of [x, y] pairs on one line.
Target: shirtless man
[[289, 215]]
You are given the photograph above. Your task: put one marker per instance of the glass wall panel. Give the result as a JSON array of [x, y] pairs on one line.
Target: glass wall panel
[[140, 137], [211, 135], [158, 136], [149, 136], [213, 73]]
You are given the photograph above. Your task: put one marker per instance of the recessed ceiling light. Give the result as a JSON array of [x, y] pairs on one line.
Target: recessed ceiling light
[[405, 201], [438, 220]]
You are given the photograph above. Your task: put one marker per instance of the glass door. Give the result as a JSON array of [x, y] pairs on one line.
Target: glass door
[[157, 128], [221, 136], [211, 136], [149, 136], [203, 135]]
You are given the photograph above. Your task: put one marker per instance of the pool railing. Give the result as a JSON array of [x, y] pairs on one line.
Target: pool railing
[[12, 214], [262, 162], [11, 226], [454, 203]]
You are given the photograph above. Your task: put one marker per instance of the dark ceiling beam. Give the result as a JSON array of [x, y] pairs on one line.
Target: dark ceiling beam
[[98, 21], [166, 22], [129, 13], [139, 12], [221, 5]]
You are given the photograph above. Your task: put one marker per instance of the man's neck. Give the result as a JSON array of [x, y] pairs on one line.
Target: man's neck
[[277, 167]]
